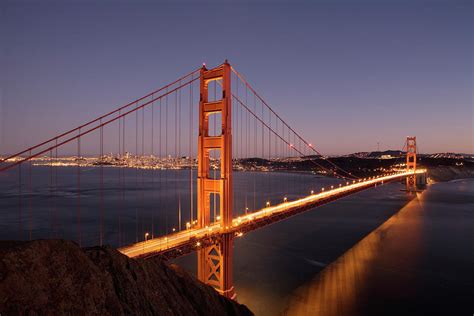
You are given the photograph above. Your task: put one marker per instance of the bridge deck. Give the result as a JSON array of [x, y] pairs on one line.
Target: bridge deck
[[186, 241]]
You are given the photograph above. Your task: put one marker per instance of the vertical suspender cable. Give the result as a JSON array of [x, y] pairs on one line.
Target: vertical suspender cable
[[136, 173], [142, 173], [50, 203], [152, 158], [179, 156], [191, 160], [166, 151], [176, 148], [79, 239], [160, 199], [101, 219], [120, 171], [30, 196], [20, 206]]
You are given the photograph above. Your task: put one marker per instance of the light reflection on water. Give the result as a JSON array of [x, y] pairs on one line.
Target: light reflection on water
[[339, 289], [419, 262]]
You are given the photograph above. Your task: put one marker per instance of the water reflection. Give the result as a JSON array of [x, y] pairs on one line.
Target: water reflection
[[346, 286]]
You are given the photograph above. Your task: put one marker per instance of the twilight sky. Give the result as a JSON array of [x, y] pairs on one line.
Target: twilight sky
[[346, 74]]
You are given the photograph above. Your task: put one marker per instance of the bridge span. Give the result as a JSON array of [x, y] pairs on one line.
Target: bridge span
[[192, 239], [206, 122]]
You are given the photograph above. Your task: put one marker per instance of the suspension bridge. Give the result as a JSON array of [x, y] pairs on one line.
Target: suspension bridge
[[179, 170]]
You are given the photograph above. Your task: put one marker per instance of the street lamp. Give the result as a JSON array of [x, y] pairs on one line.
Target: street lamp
[[146, 236]]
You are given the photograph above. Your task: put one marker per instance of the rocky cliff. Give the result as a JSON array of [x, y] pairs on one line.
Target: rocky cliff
[[51, 277]]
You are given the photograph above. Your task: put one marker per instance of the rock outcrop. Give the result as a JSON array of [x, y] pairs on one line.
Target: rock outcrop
[[57, 277]]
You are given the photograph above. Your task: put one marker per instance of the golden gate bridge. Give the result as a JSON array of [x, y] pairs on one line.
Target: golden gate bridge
[[209, 124]]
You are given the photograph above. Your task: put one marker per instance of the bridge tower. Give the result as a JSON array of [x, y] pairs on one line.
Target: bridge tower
[[411, 163], [215, 261]]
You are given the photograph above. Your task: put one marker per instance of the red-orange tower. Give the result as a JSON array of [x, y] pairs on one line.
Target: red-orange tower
[[411, 163], [215, 262]]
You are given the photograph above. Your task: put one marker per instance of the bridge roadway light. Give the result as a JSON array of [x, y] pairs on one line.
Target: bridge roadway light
[[312, 192], [285, 199], [188, 225], [268, 203], [332, 187], [174, 229], [146, 236]]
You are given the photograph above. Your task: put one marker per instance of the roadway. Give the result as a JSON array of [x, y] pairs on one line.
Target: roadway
[[193, 238]]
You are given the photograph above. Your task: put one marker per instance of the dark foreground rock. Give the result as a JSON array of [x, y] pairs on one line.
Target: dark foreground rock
[[56, 277]]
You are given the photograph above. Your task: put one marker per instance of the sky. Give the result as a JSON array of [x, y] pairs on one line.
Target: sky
[[346, 74]]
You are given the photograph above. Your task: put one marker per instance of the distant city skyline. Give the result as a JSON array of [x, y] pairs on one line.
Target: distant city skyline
[[351, 77]]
